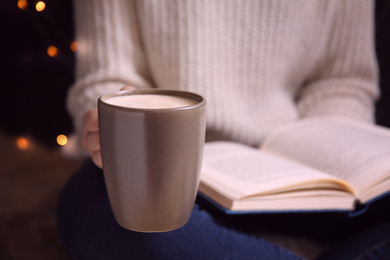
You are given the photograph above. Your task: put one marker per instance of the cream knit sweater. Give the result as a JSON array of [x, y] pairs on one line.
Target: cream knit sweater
[[259, 63]]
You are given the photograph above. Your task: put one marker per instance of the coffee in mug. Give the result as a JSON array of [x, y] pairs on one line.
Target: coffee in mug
[[151, 101]]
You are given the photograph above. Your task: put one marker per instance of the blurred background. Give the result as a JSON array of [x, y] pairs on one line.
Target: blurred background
[[37, 64]]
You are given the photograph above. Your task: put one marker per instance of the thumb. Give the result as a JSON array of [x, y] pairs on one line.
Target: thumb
[[127, 88]]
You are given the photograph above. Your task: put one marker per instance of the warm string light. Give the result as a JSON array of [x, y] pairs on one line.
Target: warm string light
[[52, 51], [62, 140], [23, 143], [74, 46], [22, 4], [40, 6]]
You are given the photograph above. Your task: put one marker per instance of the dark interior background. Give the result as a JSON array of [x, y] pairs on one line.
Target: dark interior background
[[382, 37], [34, 85]]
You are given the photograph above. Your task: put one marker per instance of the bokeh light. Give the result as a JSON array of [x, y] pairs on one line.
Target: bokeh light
[[62, 139], [22, 143], [52, 51], [74, 46], [22, 4], [40, 6]]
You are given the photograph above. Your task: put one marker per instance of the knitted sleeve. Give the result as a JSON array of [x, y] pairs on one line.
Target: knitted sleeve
[[109, 56], [345, 82]]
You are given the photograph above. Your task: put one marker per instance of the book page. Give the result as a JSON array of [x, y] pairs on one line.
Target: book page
[[312, 200], [356, 152], [239, 171]]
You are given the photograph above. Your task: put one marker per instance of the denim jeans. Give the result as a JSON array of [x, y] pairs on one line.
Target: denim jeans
[[89, 231]]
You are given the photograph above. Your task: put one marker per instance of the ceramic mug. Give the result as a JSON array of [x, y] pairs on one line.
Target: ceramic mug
[[152, 147]]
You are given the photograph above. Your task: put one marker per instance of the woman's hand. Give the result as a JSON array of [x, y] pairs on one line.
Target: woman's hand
[[90, 135]]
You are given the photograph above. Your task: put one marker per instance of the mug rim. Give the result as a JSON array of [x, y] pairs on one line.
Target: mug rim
[[179, 93]]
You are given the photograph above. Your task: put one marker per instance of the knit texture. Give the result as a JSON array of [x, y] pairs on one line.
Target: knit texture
[[259, 64]]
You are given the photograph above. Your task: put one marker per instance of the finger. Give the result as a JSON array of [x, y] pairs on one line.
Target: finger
[[128, 88], [97, 159], [91, 142], [91, 121]]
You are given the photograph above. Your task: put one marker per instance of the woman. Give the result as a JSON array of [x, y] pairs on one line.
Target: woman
[[260, 64]]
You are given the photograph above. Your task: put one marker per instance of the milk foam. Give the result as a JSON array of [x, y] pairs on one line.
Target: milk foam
[[151, 101]]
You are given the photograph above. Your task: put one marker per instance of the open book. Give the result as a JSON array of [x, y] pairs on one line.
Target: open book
[[315, 164]]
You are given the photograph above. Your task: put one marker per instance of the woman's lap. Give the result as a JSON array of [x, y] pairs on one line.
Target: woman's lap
[[89, 230]]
